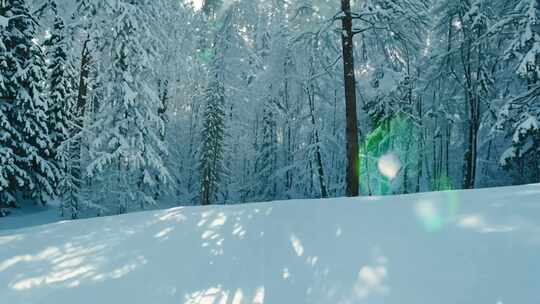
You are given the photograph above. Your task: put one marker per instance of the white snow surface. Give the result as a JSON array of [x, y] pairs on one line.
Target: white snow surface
[[4, 22], [477, 247]]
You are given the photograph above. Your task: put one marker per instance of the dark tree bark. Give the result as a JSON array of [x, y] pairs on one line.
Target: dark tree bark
[[472, 106], [347, 35], [420, 147], [317, 140], [163, 91], [80, 110], [472, 147]]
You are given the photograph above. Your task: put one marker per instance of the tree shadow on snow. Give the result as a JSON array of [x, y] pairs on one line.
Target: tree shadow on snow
[[377, 250]]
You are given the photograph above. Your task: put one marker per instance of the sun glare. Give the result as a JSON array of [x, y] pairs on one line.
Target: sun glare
[[389, 165], [197, 4]]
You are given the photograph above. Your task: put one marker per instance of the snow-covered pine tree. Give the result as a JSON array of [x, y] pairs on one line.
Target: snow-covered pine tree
[[211, 162], [127, 148], [525, 47], [182, 70], [266, 161], [462, 65], [523, 157], [521, 114], [84, 38], [61, 100], [28, 170], [213, 136], [310, 51], [9, 170]]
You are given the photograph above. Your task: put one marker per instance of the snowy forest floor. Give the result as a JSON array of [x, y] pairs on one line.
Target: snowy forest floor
[[479, 246], [35, 215]]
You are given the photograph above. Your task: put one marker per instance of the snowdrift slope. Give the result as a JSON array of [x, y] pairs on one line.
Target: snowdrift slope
[[475, 247]]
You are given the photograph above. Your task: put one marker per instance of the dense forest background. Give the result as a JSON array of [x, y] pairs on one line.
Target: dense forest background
[[109, 106]]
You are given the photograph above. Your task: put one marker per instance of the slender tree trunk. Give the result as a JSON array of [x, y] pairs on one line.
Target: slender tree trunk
[[318, 155], [80, 111], [419, 164], [288, 129], [350, 100], [473, 103], [488, 159], [191, 155], [447, 151], [334, 179]]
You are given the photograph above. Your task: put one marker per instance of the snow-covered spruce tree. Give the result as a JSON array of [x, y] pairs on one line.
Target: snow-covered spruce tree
[[522, 159], [211, 162], [127, 148], [311, 56], [462, 64], [84, 38], [266, 161], [213, 137], [27, 168], [185, 70], [524, 48], [240, 61], [521, 114], [8, 169], [62, 126]]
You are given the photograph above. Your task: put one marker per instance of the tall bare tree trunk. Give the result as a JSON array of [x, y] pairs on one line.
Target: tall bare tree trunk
[[317, 141], [347, 36], [80, 110]]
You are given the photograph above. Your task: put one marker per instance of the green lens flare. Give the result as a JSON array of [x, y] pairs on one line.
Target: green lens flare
[[435, 216], [206, 55], [390, 152], [390, 140]]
